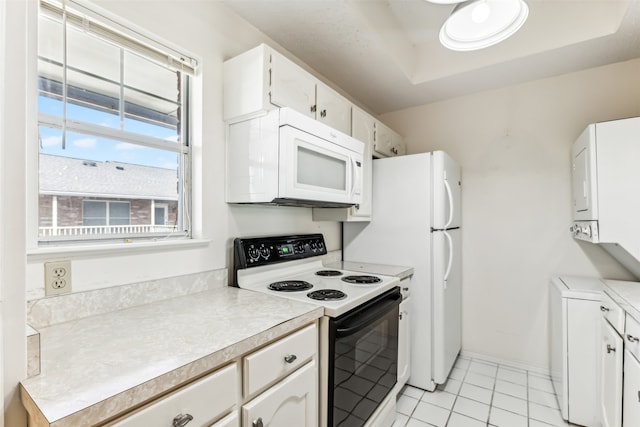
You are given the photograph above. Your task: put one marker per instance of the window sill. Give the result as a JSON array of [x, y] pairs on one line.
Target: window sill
[[113, 248]]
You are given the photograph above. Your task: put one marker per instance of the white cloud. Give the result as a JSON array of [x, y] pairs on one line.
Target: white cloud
[[85, 142], [125, 146], [51, 140]]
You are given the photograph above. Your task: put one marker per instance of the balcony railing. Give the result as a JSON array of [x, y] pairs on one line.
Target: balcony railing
[[101, 230]]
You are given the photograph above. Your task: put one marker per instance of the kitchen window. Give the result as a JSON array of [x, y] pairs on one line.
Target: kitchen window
[[113, 129]]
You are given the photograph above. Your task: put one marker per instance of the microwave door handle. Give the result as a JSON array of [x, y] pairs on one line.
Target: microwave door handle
[[354, 179]]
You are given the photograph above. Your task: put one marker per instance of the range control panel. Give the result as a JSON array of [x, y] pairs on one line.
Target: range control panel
[[254, 252]]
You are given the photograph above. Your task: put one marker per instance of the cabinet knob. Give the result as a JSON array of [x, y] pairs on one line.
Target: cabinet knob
[[258, 423], [603, 308], [610, 349], [631, 338], [290, 358], [182, 420], [313, 108], [323, 113]]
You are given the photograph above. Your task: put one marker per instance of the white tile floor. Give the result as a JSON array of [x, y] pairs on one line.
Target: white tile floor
[[479, 394]]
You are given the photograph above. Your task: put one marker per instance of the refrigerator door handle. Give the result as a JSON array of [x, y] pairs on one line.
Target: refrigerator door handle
[[450, 196], [450, 262]]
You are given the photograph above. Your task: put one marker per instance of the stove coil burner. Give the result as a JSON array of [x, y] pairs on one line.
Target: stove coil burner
[[328, 273], [327, 295], [362, 280], [290, 286]]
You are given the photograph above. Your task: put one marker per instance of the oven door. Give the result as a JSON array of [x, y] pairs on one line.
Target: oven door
[[315, 169], [363, 359]]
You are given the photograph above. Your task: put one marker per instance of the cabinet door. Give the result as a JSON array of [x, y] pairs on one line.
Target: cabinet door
[[333, 109], [230, 420], [291, 86], [293, 402], [362, 129], [404, 348], [631, 403], [610, 376]]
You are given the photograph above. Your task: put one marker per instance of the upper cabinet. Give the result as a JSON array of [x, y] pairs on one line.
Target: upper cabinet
[[387, 143], [262, 79]]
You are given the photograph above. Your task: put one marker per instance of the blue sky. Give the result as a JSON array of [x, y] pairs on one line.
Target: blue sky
[[101, 149]]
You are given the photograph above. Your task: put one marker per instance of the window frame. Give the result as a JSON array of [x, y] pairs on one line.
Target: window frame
[[183, 149]]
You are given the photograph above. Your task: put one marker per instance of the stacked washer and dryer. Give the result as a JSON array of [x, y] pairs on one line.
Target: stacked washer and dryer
[[605, 176]]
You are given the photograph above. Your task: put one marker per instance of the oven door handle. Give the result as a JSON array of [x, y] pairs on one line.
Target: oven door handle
[[364, 318]]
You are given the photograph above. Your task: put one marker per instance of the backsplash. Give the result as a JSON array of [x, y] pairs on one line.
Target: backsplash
[[45, 312]]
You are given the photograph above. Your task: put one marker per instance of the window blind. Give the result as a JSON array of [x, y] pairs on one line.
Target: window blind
[[102, 26]]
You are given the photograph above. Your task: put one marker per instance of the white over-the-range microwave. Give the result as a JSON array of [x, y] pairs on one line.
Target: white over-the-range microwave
[[286, 158]]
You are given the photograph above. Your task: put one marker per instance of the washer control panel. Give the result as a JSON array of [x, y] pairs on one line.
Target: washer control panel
[[585, 230]]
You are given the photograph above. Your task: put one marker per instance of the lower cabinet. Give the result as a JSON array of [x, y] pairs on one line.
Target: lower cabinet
[[404, 340], [196, 405], [280, 389], [611, 376], [631, 401], [293, 402]]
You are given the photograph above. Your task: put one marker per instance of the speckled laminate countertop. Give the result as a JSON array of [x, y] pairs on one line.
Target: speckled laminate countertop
[[99, 366], [626, 295], [387, 270]]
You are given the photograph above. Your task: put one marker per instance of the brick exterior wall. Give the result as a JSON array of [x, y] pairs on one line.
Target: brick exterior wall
[[70, 210]]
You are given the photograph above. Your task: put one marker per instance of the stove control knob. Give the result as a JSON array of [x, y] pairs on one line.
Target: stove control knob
[[265, 252], [314, 246], [298, 248], [320, 245], [253, 253]]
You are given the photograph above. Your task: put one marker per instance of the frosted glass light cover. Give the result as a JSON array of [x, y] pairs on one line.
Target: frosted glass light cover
[[476, 24]]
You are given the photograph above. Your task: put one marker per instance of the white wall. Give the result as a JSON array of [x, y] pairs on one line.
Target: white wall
[[213, 33], [513, 145]]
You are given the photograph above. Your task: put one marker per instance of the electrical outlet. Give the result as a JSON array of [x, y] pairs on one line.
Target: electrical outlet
[[57, 277]]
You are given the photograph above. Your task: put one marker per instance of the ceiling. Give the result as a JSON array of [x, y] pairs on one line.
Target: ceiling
[[386, 53]]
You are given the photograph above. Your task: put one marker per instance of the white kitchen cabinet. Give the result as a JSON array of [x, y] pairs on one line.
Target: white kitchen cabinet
[[230, 420], [293, 402], [387, 143], [262, 79], [362, 129], [279, 359], [197, 404], [631, 400], [611, 353], [404, 343], [333, 109]]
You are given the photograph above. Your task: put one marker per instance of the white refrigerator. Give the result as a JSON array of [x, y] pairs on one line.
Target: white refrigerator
[[416, 222]]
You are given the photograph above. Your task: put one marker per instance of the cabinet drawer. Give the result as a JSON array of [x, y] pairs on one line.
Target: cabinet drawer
[[612, 312], [632, 336], [278, 359], [204, 400]]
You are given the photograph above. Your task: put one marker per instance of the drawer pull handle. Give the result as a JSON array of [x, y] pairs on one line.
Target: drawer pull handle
[[610, 349], [631, 338], [290, 358], [405, 289], [182, 420], [603, 308], [258, 423]]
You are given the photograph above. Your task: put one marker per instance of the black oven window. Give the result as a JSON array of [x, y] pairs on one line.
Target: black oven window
[[365, 367]]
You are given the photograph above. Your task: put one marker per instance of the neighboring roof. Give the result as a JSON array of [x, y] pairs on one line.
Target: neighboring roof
[[79, 177]]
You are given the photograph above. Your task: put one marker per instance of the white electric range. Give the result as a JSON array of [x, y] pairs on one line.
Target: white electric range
[[359, 330]]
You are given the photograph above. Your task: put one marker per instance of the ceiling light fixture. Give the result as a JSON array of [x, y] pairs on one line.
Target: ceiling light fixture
[[476, 24]]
